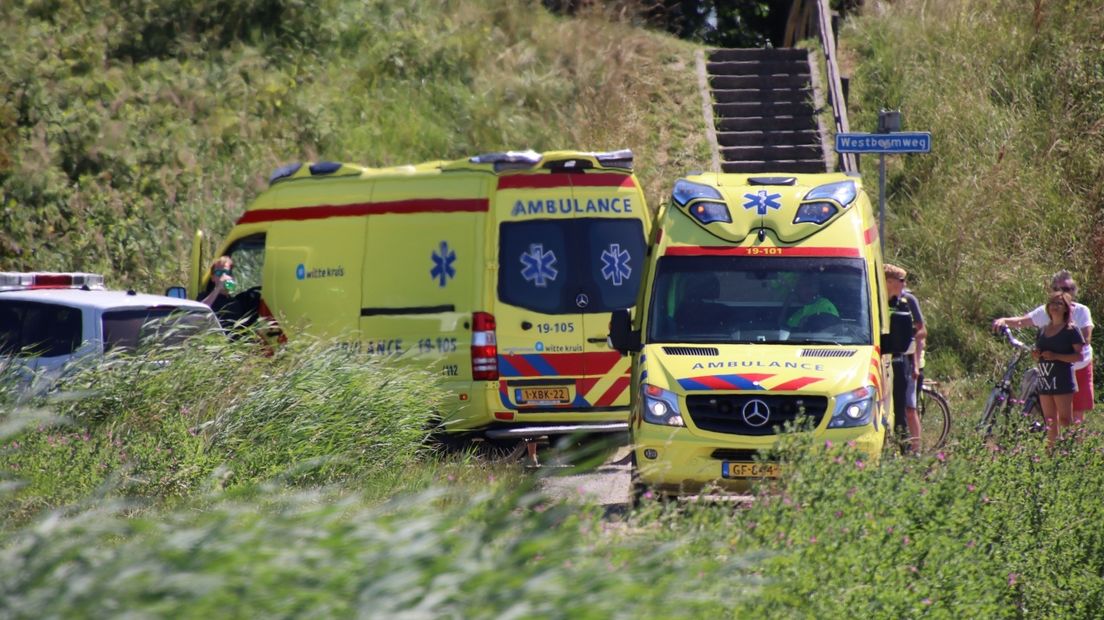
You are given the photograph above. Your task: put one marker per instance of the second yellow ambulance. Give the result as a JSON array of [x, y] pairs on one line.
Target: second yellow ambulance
[[498, 271], [763, 308]]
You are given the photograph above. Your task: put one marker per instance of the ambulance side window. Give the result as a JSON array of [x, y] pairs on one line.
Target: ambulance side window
[[615, 256], [534, 266], [248, 254]]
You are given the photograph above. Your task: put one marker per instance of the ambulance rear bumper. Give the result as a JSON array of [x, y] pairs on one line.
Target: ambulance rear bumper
[[522, 432]]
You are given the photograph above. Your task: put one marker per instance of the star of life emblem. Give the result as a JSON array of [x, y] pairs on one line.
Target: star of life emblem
[[538, 266]]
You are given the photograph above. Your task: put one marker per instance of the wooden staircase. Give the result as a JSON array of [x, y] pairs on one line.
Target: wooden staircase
[[766, 105]]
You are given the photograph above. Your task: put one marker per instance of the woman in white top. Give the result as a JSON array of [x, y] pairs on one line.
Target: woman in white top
[[1082, 319]]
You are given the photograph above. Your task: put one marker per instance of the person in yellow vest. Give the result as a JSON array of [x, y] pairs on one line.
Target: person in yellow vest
[[811, 304]]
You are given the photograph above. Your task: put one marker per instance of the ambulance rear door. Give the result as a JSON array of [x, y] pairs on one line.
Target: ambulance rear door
[[537, 312], [611, 228], [423, 267]]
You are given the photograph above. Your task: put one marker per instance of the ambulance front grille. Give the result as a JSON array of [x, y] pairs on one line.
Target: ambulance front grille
[[743, 414], [703, 351], [826, 353]]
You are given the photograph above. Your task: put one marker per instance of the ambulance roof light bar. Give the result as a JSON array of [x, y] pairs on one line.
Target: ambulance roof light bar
[[622, 158], [509, 160], [18, 281]]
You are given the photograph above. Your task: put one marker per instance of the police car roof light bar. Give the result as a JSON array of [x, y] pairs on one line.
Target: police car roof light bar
[[17, 281]]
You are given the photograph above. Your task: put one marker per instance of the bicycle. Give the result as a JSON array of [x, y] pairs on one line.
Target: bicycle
[[1001, 400], [935, 417]]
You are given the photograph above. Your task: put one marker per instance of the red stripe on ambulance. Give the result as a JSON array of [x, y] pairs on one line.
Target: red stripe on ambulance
[[796, 384], [758, 251], [318, 212]]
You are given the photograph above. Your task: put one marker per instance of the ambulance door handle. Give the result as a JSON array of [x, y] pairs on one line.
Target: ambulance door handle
[[526, 325], [598, 340]]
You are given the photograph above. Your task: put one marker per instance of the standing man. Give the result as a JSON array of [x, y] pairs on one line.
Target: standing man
[[1062, 282], [906, 367]]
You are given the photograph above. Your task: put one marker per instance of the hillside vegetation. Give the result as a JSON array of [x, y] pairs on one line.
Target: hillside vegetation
[[1013, 189], [124, 126]]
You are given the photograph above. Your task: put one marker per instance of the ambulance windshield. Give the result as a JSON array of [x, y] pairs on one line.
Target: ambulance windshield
[[740, 300]]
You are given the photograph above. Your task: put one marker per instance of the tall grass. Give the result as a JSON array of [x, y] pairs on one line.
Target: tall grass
[[171, 423]]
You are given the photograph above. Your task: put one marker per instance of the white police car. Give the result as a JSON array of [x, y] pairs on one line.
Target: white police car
[[48, 320]]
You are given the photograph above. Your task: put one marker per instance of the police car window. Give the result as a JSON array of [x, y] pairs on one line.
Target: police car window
[[752, 300], [133, 328], [615, 254], [534, 266], [31, 328], [248, 255]]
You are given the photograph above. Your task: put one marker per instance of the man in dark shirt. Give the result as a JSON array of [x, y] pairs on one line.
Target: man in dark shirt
[[906, 366]]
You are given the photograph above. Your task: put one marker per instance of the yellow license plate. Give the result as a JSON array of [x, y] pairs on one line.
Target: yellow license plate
[[544, 395], [750, 470]]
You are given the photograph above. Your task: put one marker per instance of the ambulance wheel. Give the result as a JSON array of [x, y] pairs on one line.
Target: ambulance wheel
[[637, 489], [502, 450]]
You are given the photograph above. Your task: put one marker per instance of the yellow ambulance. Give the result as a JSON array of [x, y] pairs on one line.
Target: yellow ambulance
[[498, 271], [763, 310]]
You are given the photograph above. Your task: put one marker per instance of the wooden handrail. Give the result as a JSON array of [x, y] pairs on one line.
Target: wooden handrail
[[801, 25]]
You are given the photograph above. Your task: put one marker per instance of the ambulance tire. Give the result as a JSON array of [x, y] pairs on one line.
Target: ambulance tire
[[501, 450], [638, 491]]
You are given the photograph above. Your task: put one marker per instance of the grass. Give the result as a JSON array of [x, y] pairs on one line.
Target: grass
[[117, 147], [1011, 191]]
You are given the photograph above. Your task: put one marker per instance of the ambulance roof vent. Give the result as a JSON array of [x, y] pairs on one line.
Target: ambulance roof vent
[[509, 160], [772, 180], [826, 353], [284, 171], [700, 351], [324, 167]]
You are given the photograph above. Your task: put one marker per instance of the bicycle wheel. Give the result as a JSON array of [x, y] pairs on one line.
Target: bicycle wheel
[[935, 420]]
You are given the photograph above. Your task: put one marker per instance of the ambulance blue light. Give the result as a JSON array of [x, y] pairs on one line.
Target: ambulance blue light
[[616, 159], [842, 192], [815, 212], [284, 172], [685, 191], [325, 167], [709, 212]]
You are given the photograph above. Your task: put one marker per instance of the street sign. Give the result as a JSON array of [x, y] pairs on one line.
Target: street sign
[[896, 142]]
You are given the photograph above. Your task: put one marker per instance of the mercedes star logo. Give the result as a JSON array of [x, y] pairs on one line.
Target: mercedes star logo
[[756, 413], [582, 300]]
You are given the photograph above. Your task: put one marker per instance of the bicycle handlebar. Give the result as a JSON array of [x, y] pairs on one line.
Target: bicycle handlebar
[[1012, 340]]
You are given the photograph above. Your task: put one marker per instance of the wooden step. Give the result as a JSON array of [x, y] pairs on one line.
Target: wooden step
[[757, 53], [739, 95], [754, 67], [763, 108], [771, 152], [768, 167], [767, 123], [776, 137], [724, 82]]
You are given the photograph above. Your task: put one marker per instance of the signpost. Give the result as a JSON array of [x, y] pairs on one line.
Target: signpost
[[889, 140]]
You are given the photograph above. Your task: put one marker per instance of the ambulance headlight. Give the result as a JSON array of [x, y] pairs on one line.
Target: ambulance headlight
[[842, 192], [709, 212], [685, 191], [854, 408], [661, 406], [815, 212]]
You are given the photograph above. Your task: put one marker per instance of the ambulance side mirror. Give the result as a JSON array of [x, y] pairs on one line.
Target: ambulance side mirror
[[621, 335], [176, 291], [900, 334]]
